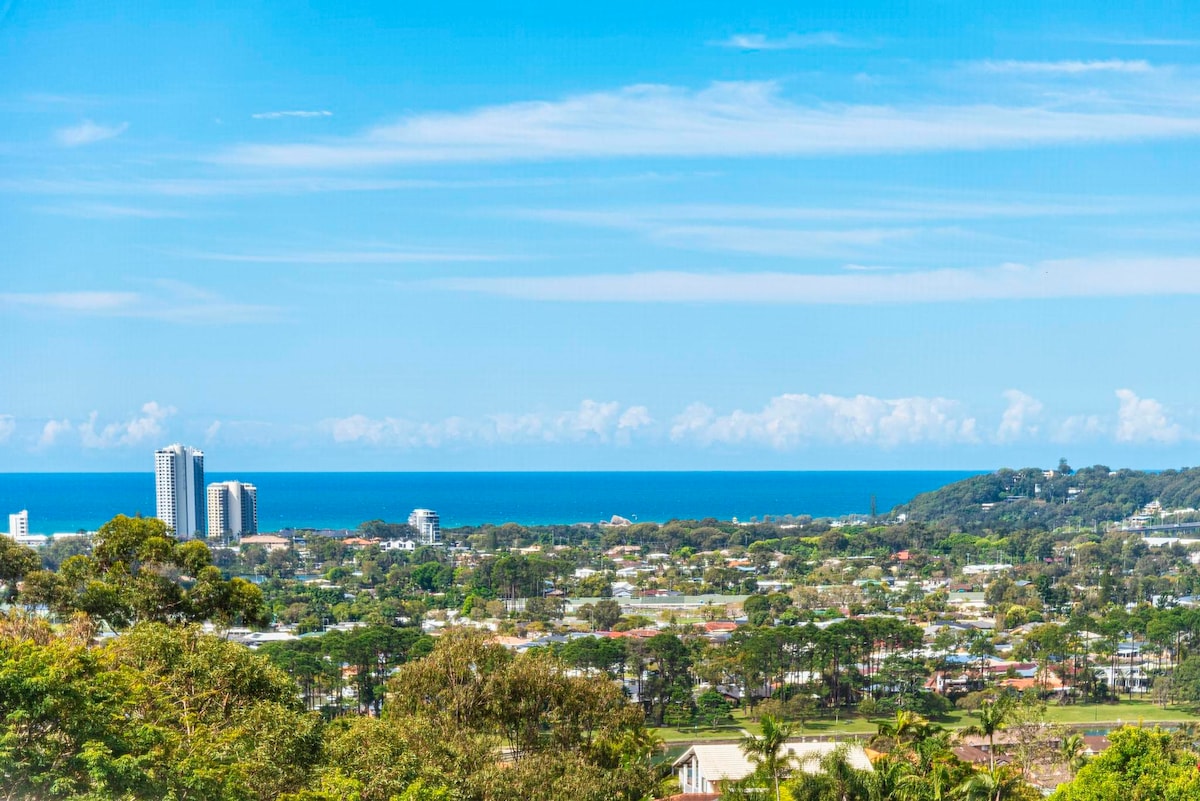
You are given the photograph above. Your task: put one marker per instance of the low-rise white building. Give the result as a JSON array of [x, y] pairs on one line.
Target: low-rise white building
[[269, 542], [398, 545], [705, 767]]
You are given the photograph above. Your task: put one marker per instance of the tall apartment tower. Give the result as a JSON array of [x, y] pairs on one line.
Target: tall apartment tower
[[179, 489], [232, 509], [18, 524], [427, 522]]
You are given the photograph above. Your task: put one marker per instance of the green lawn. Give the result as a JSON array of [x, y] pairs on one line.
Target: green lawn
[[1102, 715], [1125, 712]]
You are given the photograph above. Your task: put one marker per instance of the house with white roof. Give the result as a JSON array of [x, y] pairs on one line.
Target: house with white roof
[[704, 767]]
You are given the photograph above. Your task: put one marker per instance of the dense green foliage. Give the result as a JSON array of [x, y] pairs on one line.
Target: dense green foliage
[[1028, 499], [159, 713], [138, 572], [170, 713], [1140, 764]]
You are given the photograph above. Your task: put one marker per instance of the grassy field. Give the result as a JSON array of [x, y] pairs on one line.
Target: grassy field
[[1081, 715]]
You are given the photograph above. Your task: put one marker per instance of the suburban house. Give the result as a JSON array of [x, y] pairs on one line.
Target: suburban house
[[269, 542], [703, 767]]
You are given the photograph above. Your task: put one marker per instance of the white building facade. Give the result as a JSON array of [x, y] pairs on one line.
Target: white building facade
[[232, 509], [18, 524], [179, 489], [428, 525]]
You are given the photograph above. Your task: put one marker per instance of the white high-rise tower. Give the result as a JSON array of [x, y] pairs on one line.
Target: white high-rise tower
[[179, 489], [427, 522], [232, 509], [18, 524]]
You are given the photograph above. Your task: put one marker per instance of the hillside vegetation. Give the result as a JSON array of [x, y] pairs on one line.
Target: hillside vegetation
[[1030, 499]]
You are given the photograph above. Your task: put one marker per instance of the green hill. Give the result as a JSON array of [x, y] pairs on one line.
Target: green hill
[[1033, 498]]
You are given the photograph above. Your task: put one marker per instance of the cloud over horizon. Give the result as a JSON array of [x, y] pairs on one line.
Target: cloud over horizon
[[790, 421], [785, 423], [592, 421]]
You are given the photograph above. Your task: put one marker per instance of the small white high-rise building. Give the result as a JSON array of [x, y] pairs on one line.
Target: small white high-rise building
[[428, 525], [18, 525], [232, 509], [179, 489]]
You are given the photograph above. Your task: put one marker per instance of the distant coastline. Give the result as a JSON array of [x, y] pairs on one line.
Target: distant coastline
[[62, 502]]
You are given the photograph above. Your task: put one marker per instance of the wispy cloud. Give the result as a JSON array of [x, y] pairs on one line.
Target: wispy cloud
[[85, 302], [1067, 67], [276, 115], [742, 119], [293, 185], [794, 243], [173, 301], [107, 211], [949, 208], [8, 424], [344, 257], [592, 421], [788, 230], [87, 132], [709, 228], [1050, 279], [793, 41], [1143, 41]]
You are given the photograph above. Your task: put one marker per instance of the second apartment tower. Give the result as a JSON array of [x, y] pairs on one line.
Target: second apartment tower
[[232, 509], [179, 489]]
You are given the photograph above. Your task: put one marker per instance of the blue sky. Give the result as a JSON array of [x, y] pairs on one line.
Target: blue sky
[[635, 236]]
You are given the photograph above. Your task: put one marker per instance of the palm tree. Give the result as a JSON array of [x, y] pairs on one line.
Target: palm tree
[[992, 716], [906, 726], [768, 752], [1072, 751], [936, 785], [836, 780], [892, 772], [991, 785]]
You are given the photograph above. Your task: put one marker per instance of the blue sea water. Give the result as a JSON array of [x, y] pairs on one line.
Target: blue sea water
[[59, 502]]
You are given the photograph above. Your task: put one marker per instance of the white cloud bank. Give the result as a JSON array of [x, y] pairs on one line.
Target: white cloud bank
[[593, 421], [1019, 418], [1075, 278], [143, 428], [737, 119], [1144, 420], [791, 421], [8, 424], [88, 132], [52, 431], [787, 422]]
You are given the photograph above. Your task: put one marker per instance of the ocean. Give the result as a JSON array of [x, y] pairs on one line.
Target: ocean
[[60, 502]]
